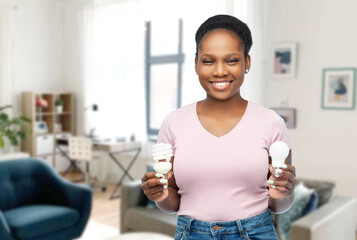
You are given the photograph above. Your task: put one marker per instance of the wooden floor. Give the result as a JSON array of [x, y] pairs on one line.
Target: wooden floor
[[104, 210]]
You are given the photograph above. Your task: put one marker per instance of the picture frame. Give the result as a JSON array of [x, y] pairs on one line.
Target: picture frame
[[288, 115], [338, 88], [284, 58]]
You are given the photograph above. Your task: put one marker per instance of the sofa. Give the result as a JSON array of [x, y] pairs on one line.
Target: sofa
[[334, 219], [36, 203]]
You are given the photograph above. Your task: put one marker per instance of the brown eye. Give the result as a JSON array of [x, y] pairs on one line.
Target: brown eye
[[207, 61], [233, 61]]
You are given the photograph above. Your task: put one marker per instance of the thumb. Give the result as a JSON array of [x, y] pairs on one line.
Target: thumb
[[271, 169], [169, 175]]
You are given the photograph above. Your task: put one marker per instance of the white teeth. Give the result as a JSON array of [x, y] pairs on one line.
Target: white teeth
[[220, 84]]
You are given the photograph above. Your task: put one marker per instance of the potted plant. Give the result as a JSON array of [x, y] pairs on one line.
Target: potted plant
[[11, 128], [59, 105]]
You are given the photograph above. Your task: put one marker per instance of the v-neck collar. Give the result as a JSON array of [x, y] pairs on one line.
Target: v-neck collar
[[228, 133]]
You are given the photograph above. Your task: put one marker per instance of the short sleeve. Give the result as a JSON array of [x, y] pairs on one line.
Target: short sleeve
[[165, 133], [280, 132]]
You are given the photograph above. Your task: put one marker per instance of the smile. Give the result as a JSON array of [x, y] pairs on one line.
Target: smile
[[220, 85]]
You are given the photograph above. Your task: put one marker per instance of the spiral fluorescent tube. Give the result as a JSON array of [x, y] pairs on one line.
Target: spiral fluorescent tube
[[160, 152]]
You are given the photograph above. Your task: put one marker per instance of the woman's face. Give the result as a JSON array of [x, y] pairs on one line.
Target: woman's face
[[221, 65]]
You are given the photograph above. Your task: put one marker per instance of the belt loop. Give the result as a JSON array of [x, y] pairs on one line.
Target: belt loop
[[271, 214], [240, 228], [188, 226]]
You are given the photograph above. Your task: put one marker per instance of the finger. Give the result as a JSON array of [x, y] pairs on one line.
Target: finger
[[147, 176], [288, 175], [271, 169], [283, 184], [154, 190], [169, 175], [290, 168], [150, 175], [283, 190], [152, 182], [155, 196]]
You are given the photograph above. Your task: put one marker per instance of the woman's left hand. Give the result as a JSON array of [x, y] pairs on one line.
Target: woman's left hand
[[283, 185]]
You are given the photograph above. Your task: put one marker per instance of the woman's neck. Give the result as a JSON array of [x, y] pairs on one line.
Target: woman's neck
[[236, 105]]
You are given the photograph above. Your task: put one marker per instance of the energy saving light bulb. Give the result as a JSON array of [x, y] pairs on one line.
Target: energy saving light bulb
[[278, 152], [160, 152]]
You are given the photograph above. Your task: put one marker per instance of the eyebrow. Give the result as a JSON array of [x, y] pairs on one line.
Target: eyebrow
[[210, 55]]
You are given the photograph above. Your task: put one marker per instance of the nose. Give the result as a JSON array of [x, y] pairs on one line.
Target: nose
[[220, 70]]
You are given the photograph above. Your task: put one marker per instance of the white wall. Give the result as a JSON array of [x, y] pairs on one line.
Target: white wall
[[37, 39], [324, 140]]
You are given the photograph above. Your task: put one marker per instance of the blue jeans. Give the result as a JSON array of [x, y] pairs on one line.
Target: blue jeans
[[259, 227]]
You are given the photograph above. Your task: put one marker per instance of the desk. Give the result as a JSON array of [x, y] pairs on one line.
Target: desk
[[113, 149]]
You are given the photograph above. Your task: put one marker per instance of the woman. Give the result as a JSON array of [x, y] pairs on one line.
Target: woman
[[218, 185]]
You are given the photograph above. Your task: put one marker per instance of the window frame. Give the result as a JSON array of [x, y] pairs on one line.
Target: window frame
[[159, 60]]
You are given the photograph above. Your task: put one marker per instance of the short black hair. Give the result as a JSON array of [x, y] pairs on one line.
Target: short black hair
[[225, 22]]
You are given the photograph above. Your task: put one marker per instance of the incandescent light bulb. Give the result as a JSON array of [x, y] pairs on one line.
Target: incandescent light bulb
[[278, 152]]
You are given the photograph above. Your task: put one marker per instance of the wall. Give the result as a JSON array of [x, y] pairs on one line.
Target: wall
[[37, 40], [324, 140]]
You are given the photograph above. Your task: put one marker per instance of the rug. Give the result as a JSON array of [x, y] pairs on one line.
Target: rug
[[98, 231]]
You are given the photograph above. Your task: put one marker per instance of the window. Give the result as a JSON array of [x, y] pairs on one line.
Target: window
[[163, 73]]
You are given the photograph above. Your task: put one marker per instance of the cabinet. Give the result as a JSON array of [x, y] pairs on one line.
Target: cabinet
[[47, 124]]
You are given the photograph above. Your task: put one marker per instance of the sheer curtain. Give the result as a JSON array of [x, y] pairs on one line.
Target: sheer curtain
[[113, 70], [7, 96], [6, 56]]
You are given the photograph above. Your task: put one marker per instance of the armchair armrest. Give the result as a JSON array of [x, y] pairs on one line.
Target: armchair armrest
[[131, 196], [5, 232], [79, 197], [334, 220]]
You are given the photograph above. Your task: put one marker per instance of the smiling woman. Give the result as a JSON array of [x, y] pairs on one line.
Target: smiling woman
[[221, 148]]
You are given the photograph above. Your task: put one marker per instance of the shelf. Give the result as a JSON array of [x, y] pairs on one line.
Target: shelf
[[52, 133], [57, 123], [44, 113], [44, 134], [52, 113], [63, 113]]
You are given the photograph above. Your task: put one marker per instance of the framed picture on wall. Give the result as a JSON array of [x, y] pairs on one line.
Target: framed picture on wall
[[283, 59], [288, 115], [338, 88]]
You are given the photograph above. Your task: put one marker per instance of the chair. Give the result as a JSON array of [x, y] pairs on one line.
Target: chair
[[36, 203], [80, 149]]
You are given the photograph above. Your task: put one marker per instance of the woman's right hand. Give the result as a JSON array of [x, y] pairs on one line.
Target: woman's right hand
[[153, 188]]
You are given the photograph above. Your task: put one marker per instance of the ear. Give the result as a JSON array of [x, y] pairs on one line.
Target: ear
[[247, 62], [196, 65]]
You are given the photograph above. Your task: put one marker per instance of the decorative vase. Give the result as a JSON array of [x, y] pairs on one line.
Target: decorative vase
[[59, 109]]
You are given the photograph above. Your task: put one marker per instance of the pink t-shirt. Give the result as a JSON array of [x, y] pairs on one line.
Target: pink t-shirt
[[222, 178]]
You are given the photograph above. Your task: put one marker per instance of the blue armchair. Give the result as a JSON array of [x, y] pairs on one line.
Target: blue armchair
[[36, 203]]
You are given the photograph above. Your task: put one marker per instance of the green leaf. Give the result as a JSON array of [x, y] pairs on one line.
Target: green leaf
[[1, 141], [4, 117], [9, 128], [21, 134]]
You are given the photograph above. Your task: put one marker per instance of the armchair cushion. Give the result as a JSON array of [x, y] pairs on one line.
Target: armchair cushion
[[34, 221], [37, 203]]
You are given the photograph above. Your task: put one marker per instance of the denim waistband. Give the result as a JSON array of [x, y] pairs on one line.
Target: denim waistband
[[242, 225]]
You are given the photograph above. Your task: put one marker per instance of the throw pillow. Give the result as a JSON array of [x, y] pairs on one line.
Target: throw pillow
[[312, 204], [302, 197]]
